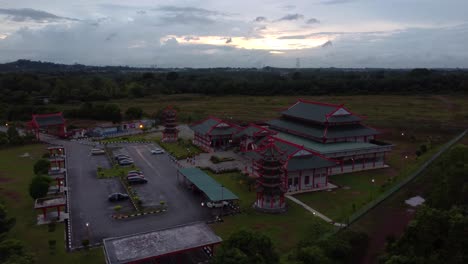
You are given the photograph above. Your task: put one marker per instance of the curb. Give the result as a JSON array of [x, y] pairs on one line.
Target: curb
[[138, 214]]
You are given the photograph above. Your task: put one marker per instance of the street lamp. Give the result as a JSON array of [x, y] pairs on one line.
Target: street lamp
[[402, 133]]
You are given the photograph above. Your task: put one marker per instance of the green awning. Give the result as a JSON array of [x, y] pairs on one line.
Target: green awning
[[212, 189]]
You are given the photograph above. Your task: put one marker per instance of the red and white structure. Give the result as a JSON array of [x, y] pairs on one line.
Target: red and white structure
[[212, 134], [170, 132], [52, 124]]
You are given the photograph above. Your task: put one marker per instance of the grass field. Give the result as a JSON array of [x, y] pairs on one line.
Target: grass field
[[358, 189], [15, 176], [285, 230], [382, 110]]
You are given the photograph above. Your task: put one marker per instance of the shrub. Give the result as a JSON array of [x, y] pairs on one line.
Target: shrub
[[39, 186], [117, 208], [85, 243], [41, 167]]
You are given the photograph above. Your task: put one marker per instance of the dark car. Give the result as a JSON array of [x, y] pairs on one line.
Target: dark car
[[117, 197], [135, 180]]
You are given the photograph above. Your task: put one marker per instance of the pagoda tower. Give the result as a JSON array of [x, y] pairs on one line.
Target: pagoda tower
[[271, 181], [170, 132]]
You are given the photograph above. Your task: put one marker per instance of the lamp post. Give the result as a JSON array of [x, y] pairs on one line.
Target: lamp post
[[87, 231], [373, 187], [222, 200]]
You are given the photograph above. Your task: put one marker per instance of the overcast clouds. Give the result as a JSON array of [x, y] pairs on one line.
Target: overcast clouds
[[216, 33]]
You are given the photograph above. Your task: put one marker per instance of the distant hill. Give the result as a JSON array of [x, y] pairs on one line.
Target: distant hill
[[40, 66]]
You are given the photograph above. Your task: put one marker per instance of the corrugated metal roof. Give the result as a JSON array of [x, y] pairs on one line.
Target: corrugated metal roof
[[213, 190]]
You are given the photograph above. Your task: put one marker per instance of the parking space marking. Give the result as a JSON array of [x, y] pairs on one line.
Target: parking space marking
[[149, 163]]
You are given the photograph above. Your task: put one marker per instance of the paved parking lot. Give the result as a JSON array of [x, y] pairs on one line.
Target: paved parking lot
[[88, 195]]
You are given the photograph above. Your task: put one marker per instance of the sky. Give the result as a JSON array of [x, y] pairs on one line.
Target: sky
[[240, 33]]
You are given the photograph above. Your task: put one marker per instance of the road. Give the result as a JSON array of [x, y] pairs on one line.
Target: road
[[88, 195]]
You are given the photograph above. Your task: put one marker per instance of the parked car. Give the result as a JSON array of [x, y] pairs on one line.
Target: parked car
[[119, 157], [157, 151], [96, 151], [217, 204], [117, 197], [125, 162], [135, 175], [135, 180], [135, 171]]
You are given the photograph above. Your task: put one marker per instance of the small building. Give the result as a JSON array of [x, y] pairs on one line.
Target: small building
[[52, 124], [213, 134], [249, 136], [170, 245]]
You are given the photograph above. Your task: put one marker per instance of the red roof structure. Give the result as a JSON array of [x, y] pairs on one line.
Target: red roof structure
[[53, 124]]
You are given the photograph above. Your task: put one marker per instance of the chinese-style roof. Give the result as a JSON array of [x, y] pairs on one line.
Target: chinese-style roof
[[50, 202], [319, 132], [48, 119], [320, 112], [212, 189], [327, 148], [298, 158], [214, 127], [155, 244], [253, 130]]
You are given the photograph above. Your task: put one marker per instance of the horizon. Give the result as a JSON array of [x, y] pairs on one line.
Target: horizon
[[353, 34]]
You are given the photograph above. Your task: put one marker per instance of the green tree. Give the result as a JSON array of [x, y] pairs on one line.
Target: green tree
[[13, 135], [3, 138], [247, 247], [134, 113], [5, 223], [39, 186], [41, 167]]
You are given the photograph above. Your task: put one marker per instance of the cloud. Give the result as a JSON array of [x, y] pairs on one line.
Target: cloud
[[229, 40], [185, 19], [289, 7], [313, 21], [327, 44], [141, 12], [190, 10], [111, 36], [334, 2], [260, 19], [290, 17], [25, 14]]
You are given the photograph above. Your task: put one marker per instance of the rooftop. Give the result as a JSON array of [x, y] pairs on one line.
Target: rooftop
[[326, 148], [212, 189], [319, 131], [159, 243], [214, 126], [320, 112], [48, 119], [49, 202]]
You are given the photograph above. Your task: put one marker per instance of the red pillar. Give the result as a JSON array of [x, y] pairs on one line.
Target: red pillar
[[44, 212], [353, 163], [363, 162], [58, 211], [375, 158]]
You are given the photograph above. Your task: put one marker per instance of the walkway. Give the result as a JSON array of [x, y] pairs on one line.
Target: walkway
[[315, 212]]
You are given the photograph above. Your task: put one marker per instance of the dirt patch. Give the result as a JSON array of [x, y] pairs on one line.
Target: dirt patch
[[14, 196], [5, 180], [392, 222]]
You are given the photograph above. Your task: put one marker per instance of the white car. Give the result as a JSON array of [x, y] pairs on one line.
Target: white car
[[96, 151], [217, 204], [157, 151]]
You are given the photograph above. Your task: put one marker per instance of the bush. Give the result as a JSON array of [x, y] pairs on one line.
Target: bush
[[85, 243], [117, 208], [39, 186], [41, 167]]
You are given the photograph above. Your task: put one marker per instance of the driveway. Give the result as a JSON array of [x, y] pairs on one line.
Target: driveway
[[88, 195]]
